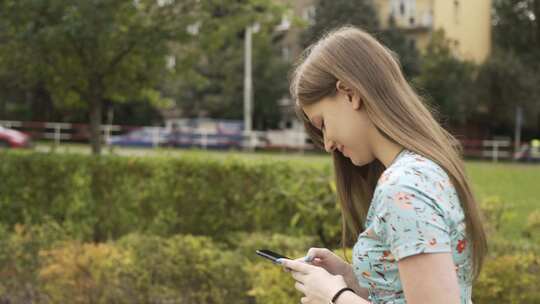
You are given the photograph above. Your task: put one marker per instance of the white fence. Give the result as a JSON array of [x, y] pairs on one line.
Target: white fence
[[272, 139]]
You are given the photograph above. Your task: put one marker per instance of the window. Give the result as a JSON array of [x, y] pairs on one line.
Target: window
[[171, 61], [394, 7], [193, 29], [411, 11], [456, 11], [309, 14], [412, 43], [286, 53], [285, 24]]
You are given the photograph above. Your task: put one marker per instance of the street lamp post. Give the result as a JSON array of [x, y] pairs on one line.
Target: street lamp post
[[248, 82]]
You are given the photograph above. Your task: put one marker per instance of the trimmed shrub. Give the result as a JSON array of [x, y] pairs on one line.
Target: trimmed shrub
[[509, 279], [100, 199]]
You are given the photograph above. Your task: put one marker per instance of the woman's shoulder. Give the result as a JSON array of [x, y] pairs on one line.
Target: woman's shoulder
[[413, 170]]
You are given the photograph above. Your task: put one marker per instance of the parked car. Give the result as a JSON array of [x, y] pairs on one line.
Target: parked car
[[209, 141], [143, 137], [10, 138], [529, 152]]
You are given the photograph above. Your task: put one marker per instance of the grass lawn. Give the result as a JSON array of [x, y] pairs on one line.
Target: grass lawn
[[515, 184]]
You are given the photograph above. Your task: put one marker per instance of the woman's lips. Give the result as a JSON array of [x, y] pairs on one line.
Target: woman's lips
[[342, 149]]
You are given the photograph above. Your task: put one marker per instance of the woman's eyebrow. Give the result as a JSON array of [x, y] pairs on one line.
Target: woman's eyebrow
[[315, 118], [307, 117]]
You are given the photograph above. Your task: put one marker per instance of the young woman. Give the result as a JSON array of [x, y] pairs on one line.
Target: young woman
[[401, 182]]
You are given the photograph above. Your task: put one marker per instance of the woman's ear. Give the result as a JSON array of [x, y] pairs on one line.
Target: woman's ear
[[356, 101], [340, 86], [352, 97]]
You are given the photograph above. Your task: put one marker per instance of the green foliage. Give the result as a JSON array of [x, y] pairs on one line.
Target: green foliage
[[497, 212], [363, 14], [87, 52], [331, 14], [194, 269], [509, 279], [150, 210], [142, 268], [115, 49], [516, 27], [447, 81], [211, 79], [105, 198], [408, 55], [510, 77], [20, 261], [83, 273], [504, 82], [40, 263], [532, 229]]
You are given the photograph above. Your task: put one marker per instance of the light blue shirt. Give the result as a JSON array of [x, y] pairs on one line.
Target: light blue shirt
[[415, 208]]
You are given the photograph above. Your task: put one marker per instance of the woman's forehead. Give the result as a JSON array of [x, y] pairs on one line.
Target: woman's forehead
[[310, 112]]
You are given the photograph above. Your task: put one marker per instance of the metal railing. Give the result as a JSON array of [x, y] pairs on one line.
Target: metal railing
[[494, 149]]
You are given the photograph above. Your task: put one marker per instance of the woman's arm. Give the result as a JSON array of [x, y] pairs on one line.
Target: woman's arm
[[437, 284], [429, 278], [352, 282], [348, 297]]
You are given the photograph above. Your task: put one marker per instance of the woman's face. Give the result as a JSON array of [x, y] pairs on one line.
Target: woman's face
[[345, 126]]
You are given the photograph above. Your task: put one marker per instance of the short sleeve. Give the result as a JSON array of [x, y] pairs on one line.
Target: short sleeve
[[409, 219]]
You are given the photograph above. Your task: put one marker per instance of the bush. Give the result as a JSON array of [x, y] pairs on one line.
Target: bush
[[84, 273], [496, 212], [509, 279], [532, 228], [19, 259], [79, 229], [183, 269], [100, 199]]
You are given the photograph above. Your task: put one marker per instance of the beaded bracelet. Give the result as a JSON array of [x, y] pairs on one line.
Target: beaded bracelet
[[339, 292]]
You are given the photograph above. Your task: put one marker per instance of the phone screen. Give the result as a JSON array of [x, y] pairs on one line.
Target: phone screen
[[269, 254]]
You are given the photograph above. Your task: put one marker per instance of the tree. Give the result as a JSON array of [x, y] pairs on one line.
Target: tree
[[214, 85], [504, 83], [87, 52], [331, 14], [447, 81], [516, 27], [409, 56], [512, 73]]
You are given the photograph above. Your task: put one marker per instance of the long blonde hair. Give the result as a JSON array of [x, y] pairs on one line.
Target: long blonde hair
[[362, 63]]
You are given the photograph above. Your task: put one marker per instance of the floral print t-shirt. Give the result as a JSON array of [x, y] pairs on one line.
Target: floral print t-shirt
[[415, 209]]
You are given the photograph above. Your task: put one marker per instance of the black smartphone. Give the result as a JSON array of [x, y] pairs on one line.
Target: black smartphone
[[272, 256]]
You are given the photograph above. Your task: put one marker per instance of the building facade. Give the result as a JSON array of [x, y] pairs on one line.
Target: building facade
[[467, 23]]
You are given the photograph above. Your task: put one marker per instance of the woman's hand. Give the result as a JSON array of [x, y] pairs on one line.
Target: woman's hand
[[317, 284], [328, 260], [335, 265]]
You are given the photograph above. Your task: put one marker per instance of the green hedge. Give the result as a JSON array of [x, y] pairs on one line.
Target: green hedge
[[104, 198], [44, 264], [80, 229]]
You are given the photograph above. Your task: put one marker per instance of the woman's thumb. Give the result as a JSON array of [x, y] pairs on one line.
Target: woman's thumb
[[313, 253]]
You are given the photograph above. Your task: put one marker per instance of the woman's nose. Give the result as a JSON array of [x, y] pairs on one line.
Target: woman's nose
[[329, 145]]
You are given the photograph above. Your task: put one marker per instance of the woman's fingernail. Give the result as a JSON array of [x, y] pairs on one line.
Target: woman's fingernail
[[307, 258], [279, 261]]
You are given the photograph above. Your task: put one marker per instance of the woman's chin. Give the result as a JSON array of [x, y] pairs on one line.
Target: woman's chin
[[356, 162]]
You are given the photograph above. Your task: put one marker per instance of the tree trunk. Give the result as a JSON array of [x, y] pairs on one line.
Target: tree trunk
[[96, 106], [536, 11], [3, 114]]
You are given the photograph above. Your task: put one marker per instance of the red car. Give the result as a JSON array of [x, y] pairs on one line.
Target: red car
[[10, 138]]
